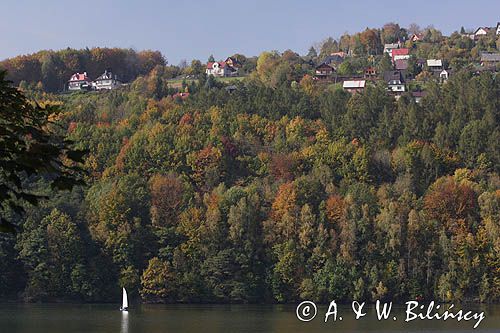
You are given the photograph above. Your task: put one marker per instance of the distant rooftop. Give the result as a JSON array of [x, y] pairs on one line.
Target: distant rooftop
[[354, 84], [490, 56], [434, 63]]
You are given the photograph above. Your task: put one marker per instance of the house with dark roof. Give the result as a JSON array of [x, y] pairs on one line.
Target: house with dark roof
[[421, 63], [333, 59], [395, 81], [233, 62], [106, 81], [79, 81], [324, 71]]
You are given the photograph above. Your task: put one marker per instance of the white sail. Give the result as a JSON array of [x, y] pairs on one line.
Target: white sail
[[124, 300]]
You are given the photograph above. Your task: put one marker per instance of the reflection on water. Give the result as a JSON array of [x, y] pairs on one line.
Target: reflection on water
[[106, 318], [124, 327]]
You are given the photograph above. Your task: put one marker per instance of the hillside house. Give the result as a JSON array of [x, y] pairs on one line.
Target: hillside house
[[398, 54], [79, 81], [435, 64], [106, 81], [233, 62], [333, 60], [480, 32], [354, 86], [490, 59], [444, 75], [395, 81], [498, 29], [416, 37], [221, 69], [370, 73], [324, 71], [388, 48]]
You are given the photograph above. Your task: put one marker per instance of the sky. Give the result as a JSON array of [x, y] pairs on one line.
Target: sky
[[196, 29]]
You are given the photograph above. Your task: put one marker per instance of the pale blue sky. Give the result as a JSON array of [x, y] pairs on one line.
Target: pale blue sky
[[196, 29]]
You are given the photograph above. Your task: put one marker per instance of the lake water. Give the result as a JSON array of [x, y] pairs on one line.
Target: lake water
[[66, 318]]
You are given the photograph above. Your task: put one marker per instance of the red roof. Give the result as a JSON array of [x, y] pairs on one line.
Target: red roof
[[222, 64], [79, 77], [400, 52]]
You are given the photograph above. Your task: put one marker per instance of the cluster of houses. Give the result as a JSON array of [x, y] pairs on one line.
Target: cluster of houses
[[483, 31], [228, 67], [397, 78], [81, 81], [326, 71]]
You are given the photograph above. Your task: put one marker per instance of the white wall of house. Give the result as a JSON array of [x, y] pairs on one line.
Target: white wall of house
[[106, 84], [396, 87], [217, 70], [401, 57]]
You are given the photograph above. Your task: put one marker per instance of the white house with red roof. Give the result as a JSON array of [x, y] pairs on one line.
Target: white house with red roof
[[79, 81], [388, 48], [400, 54], [220, 68]]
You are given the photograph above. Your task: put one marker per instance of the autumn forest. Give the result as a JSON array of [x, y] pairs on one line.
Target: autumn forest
[[270, 188]]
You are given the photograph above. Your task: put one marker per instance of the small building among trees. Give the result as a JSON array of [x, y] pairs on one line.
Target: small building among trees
[[221, 69], [324, 72], [490, 59], [354, 86], [106, 81], [79, 81], [395, 81]]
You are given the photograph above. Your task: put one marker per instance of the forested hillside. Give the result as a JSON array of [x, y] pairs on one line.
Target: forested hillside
[[50, 70], [275, 190]]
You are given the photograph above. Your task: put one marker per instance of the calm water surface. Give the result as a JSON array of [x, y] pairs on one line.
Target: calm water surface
[[65, 318]]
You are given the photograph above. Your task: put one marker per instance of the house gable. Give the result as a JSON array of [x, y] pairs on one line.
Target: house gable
[[481, 31]]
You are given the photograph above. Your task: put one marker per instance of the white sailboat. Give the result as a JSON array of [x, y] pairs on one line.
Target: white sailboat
[[124, 306]]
